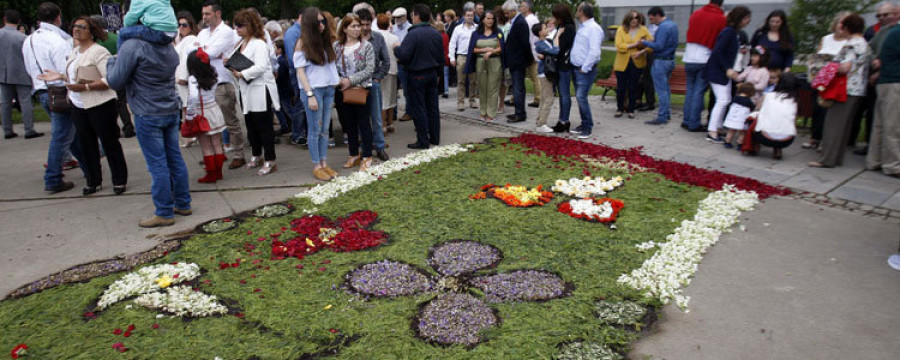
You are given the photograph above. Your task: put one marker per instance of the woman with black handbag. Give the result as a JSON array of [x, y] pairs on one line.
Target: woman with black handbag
[[355, 64], [94, 109], [259, 93]]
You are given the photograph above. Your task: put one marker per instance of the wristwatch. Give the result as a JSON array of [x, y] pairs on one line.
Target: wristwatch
[[309, 93]]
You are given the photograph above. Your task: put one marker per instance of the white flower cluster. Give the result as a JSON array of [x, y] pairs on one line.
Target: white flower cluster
[[587, 187], [146, 280], [182, 301], [589, 208], [646, 246], [666, 273], [324, 192]]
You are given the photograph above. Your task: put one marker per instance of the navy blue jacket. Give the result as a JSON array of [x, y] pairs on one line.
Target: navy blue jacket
[[283, 79], [518, 45], [422, 50], [723, 56]]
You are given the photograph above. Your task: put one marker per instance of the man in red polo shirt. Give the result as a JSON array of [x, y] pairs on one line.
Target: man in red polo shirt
[[703, 27]]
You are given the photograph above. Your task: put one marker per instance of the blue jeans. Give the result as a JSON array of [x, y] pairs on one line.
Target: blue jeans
[[374, 101], [583, 83], [158, 137], [565, 95], [282, 116], [296, 111], [693, 100], [661, 71], [318, 122], [518, 84], [62, 139]]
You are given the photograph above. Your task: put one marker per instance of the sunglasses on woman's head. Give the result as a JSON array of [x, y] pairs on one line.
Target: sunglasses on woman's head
[[239, 25], [184, 25], [79, 27]]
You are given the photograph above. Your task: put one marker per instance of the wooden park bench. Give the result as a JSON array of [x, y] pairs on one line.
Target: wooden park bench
[[677, 82]]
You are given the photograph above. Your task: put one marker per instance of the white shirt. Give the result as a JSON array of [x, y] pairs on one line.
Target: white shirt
[[776, 116], [218, 43], [389, 41], [400, 31], [652, 29], [50, 50], [585, 53], [459, 41], [318, 76], [696, 54], [532, 19], [188, 44], [74, 96]]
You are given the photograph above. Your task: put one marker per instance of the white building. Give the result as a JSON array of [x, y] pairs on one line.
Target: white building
[[613, 11]]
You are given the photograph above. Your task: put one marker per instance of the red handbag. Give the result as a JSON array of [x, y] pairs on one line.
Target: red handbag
[[836, 89], [199, 125]]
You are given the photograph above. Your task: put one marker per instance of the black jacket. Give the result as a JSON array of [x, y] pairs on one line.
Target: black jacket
[[566, 40], [422, 49], [518, 45]]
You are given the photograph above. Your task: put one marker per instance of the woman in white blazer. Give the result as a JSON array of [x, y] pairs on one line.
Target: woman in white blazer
[[259, 93]]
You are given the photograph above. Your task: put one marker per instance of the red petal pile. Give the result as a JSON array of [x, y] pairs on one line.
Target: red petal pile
[[352, 235]]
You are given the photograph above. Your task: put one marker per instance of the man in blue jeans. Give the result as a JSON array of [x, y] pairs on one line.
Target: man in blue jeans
[[703, 28], [47, 49], [294, 106], [584, 57], [382, 66], [664, 47], [146, 69]]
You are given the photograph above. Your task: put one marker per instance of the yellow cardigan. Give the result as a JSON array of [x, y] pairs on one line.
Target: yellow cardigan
[[623, 53]]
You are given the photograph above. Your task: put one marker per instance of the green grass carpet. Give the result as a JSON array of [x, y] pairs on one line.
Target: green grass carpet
[[419, 207]]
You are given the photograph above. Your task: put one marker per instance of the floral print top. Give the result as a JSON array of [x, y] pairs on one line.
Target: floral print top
[[856, 52]]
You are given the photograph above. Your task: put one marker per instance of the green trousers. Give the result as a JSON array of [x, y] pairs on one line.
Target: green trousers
[[490, 72]]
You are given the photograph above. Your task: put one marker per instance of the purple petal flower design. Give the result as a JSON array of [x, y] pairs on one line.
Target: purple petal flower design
[[455, 316]]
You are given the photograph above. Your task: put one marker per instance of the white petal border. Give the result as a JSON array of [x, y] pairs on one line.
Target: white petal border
[[665, 275], [327, 191]]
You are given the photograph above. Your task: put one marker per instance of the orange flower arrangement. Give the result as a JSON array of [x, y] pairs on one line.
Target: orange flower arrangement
[[515, 195]]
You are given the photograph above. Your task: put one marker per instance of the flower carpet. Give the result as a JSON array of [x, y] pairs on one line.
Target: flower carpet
[[413, 259]]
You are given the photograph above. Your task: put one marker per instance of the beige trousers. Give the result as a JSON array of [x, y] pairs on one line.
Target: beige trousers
[[461, 77], [547, 100], [884, 144], [234, 117], [532, 74]]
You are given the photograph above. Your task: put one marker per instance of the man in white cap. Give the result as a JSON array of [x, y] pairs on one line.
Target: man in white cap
[[401, 26]]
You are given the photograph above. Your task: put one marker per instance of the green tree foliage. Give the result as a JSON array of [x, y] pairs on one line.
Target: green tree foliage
[[811, 19]]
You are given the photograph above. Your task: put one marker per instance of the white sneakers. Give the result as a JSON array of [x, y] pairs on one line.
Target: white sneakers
[[894, 261], [543, 129]]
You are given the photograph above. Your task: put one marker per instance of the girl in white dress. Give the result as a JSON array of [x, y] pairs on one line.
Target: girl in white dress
[[202, 101]]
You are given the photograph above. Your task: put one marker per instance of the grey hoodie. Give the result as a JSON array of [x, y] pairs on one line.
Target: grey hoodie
[[146, 69]]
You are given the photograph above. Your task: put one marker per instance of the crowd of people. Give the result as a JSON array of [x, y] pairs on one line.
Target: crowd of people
[[226, 75]]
